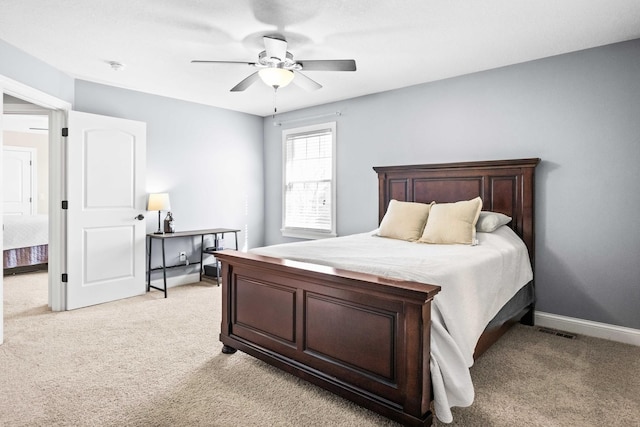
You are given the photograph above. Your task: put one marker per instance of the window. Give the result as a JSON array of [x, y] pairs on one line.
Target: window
[[309, 195]]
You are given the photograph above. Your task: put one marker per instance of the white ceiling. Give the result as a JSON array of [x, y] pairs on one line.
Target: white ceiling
[[396, 43]]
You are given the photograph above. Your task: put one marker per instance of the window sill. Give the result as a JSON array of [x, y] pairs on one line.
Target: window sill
[[307, 234]]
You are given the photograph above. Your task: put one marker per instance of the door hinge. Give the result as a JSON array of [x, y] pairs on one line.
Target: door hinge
[[65, 204], [65, 131], [65, 278]]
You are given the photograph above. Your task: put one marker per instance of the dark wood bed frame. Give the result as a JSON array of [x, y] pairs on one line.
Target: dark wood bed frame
[[364, 337]]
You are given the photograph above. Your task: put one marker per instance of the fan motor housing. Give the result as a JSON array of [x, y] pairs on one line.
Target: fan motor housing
[[288, 63]]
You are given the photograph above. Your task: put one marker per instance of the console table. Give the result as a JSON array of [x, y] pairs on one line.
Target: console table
[[185, 234]]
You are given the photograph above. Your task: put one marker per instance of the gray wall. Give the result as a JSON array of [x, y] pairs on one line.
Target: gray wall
[[579, 112], [208, 159], [21, 67]]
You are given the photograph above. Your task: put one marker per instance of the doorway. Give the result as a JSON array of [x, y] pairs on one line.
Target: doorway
[[56, 111], [25, 173]]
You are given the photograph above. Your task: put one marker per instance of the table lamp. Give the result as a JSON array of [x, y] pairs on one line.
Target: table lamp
[[159, 202]]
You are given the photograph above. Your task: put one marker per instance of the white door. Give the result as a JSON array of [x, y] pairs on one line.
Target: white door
[[106, 160], [17, 181]]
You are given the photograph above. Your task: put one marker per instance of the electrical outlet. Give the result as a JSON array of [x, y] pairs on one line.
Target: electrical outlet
[[183, 256]]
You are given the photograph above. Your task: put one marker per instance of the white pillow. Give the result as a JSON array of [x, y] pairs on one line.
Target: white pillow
[[404, 220], [450, 223], [490, 221]]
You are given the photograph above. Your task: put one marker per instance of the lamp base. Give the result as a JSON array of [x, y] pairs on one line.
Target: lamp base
[[159, 229]]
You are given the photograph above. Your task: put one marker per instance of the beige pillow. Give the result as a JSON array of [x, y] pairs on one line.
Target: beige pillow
[[452, 222], [404, 220]]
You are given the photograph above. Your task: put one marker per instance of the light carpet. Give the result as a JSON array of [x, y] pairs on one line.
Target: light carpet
[[150, 361]]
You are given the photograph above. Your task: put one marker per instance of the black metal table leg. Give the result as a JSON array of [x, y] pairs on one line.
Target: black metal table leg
[[164, 270], [201, 256], [149, 265]]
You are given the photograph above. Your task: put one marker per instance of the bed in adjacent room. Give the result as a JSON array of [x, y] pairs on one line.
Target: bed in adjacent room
[[391, 320], [25, 242]]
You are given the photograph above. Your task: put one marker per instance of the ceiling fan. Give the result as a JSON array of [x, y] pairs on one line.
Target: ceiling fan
[[277, 68]]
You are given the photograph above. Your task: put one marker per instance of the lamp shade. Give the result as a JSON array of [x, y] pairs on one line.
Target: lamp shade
[[276, 77], [159, 202]]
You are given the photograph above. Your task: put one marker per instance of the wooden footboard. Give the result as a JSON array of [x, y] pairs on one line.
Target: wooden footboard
[[360, 336]]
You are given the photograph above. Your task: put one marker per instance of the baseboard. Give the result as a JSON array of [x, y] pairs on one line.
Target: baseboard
[[184, 279], [588, 328]]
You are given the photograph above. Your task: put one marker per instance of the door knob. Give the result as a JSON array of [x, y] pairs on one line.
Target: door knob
[[140, 217]]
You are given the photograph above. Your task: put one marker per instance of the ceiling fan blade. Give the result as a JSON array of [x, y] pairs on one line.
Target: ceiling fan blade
[[246, 82], [329, 65], [305, 82], [202, 61], [275, 48]]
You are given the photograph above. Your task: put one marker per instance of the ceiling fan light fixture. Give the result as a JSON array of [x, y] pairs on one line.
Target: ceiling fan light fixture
[[276, 77]]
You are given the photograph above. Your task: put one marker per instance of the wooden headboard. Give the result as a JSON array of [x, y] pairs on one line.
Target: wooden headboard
[[505, 186]]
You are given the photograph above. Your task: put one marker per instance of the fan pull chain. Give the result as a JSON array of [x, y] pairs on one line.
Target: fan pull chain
[[275, 108]]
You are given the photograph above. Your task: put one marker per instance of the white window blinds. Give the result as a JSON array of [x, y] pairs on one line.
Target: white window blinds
[[309, 184]]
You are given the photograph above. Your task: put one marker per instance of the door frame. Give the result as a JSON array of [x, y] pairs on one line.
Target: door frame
[[58, 111]]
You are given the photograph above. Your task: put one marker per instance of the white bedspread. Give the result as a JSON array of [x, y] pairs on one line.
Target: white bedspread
[[23, 231], [476, 282]]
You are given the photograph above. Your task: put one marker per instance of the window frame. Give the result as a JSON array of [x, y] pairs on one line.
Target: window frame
[[309, 233]]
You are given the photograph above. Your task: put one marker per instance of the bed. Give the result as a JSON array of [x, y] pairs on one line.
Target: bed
[[25, 242], [368, 337]]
